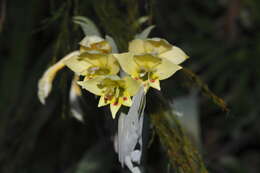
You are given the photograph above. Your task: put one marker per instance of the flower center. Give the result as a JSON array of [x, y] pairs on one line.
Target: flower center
[[147, 74], [112, 89], [97, 71]]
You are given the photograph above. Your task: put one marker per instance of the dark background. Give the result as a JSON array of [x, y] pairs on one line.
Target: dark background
[[220, 36]]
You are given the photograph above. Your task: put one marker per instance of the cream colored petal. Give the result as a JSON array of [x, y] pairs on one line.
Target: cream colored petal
[[92, 85], [166, 69], [126, 62], [132, 86], [175, 55], [95, 59], [45, 82], [113, 65], [147, 60], [79, 67], [155, 84], [136, 46], [114, 109], [102, 101], [113, 77], [156, 46]]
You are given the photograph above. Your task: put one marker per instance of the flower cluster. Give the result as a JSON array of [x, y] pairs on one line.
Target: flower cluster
[[116, 77]]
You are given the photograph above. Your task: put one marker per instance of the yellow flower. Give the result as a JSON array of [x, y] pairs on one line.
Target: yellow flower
[[159, 48], [95, 43], [81, 62], [113, 90], [93, 64], [94, 59], [150, 61]]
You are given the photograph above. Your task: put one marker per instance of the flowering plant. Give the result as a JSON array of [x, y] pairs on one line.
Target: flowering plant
[[119, 79]]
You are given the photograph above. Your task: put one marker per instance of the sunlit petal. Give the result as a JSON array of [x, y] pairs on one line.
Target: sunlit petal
[[136, 46], [96, 59], [147, 60], [166, 69], [113, 65], [79, 67], [126, 62], [92, 85], [156, 46], [175, 55], [132, 85]]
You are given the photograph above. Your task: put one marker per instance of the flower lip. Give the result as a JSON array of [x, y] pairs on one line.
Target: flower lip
[[113, 90]]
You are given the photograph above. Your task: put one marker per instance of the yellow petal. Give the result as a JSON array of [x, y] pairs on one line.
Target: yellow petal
[[132, 86], [156, 46], [113, 65], [95, 59], [102, 101], [147, 60], [92, 85], [155, 84], [166, 69], [79, 67], [45, 83], [136, 46], [126, 101], [114, 109], [175, 55], [126, 62]]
